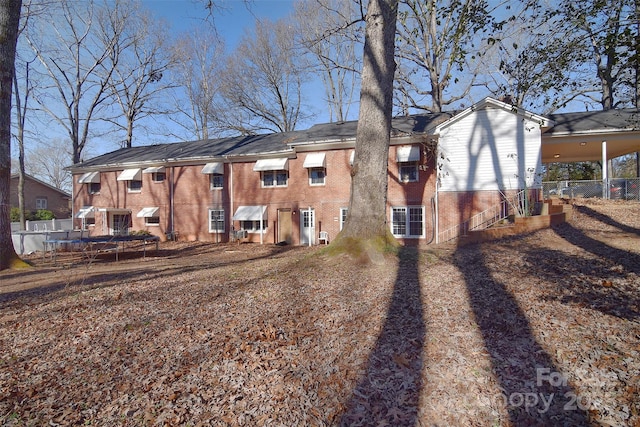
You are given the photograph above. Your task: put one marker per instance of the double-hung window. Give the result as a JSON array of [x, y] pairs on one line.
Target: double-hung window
[[316, 164], [273, 172], [408, 157], [343, 216], [407, 221], [216, 221], [277, 178], [41, 203]]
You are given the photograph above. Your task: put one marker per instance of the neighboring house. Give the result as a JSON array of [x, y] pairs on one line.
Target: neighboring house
[[288, 187], [40, 195]]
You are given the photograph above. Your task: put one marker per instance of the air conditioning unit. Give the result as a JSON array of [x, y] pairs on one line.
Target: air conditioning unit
[[241, 234]]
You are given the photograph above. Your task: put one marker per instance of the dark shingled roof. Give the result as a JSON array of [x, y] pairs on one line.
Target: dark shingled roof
[[593, 121], [285, 142]]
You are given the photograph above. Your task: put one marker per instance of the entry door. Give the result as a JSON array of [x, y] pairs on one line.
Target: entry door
[[285, 226], [307, 226]]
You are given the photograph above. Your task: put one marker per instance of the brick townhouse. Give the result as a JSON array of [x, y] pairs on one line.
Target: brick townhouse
[[294, 187]]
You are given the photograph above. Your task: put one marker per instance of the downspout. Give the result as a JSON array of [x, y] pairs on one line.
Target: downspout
[[171, 204], [437, 216], [231, 196]]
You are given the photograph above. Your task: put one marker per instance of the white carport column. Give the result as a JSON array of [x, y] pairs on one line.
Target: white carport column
[[605, 171]]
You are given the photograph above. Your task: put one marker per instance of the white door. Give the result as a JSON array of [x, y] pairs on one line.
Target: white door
[[307, 227]]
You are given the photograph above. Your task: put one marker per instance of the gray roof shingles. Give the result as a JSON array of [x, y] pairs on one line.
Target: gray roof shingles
[[284, 143]]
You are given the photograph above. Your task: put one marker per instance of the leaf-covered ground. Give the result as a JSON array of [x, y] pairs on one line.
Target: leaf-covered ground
[[542, 329]]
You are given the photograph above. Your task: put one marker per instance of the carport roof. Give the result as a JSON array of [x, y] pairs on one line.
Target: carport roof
[[577, 137]]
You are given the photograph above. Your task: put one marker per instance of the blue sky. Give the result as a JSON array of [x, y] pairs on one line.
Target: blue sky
[[232, 20]]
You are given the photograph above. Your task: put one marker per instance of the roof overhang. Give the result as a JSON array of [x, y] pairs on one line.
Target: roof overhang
[[587, 146]]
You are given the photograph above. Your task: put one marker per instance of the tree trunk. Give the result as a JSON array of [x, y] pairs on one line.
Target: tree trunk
[[366, 218], [9, 19]]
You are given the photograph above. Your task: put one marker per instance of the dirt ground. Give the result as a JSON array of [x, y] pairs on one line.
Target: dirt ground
[[542, 329]]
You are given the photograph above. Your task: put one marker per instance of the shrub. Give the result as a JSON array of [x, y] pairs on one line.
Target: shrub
[[43, 215]]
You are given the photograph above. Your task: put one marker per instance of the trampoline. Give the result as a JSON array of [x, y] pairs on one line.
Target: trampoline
[[97, 244]]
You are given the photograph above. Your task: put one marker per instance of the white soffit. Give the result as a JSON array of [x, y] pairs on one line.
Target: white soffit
[[315, 160], [130, 175], [408, 153], [86, 212], [272, 164], [90, 177], [250, 213], [211, 168], [154, 169], [148, 212]]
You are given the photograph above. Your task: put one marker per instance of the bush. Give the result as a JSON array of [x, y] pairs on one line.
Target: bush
[[43, 215]]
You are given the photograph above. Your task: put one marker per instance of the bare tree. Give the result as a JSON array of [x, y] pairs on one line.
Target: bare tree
[[75, 48], [329, 31], [47, 161], [199, 57], [9, 21], [366, 219], [263, 81], [434, 38], [140, 75]]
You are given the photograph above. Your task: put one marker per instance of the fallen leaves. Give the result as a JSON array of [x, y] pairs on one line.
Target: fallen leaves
[[260, 335]]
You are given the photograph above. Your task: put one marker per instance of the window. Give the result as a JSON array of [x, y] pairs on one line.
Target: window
[[253, 226], [94, 188], [407, 221], [277, 178], [408, 171], [216, 221], [41, 203], [216, 181], [134, 186], [316, 176], [152, 220], [90, 221], [343, 216], [158, 176]]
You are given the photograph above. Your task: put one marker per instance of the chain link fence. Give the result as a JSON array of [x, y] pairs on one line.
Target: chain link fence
[[616, 188]]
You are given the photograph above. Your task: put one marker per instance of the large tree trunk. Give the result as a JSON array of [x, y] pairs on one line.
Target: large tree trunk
[[9, 19], [366, 218]]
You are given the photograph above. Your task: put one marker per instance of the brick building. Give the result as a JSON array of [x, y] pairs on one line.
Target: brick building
[[289, 187], [40, 195]]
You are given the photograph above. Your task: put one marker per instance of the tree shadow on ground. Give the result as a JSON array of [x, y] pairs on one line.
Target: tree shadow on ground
[[389, 391], [628, 260], [605, 219], [534, 390], [595, 283]]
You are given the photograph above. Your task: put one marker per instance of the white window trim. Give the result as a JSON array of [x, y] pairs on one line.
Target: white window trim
[[135, 190], [407, 222], [254, 223], [217, 230], [211, 179], [343, 216], [413, 164], [152, 224], [41, 201], [274, 173], [324, 177]]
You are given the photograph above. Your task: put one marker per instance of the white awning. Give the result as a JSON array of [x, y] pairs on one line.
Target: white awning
[[314, 160], [154, 169], [352, 157], [272, 164], [130, 175], [408, 153], [211, 168], [86, 212], [90, 177], [148, 212], [250, 213]]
